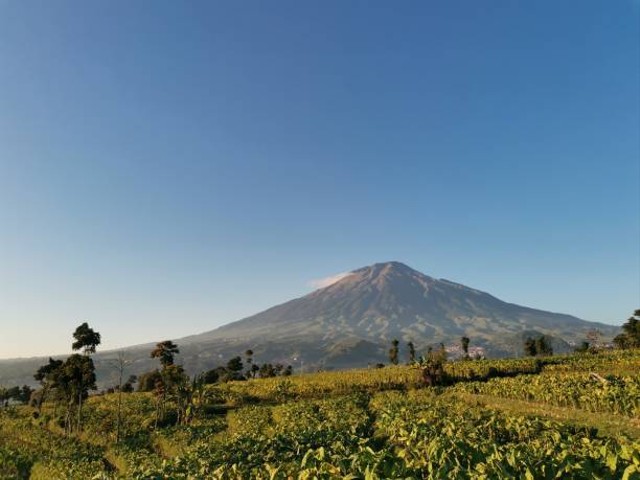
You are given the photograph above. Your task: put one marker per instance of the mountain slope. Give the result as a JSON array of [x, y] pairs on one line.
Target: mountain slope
[[351, 322], [391, 300]]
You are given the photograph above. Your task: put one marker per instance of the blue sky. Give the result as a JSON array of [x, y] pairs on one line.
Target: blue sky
[[166, 167]]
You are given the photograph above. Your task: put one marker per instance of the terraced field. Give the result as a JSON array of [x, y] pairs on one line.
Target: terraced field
[[559, 417]]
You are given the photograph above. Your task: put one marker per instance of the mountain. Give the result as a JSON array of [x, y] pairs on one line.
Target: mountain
[[391, 300], [351, 323]]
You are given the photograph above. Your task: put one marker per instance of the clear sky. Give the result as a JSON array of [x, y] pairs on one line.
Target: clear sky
[[167, 167]]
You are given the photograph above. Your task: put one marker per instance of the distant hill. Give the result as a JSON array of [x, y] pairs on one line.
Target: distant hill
[[351, 323]]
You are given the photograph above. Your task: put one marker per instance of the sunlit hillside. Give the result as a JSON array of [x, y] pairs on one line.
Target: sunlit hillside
[[574, 416]]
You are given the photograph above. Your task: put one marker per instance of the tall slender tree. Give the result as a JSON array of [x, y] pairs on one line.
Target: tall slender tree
[[171, 381], [412, 352], [249, 360], [122, 363], [464, 342], [86, 339], [393, 351]]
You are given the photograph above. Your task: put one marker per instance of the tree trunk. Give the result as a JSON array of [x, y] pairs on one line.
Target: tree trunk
[[45, 388], [79, 426]]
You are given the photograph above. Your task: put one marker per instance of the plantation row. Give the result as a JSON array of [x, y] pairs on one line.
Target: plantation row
[[415, 434], [30, 451], [614, 362], [390, 435], [374, 423], [322, 384], [618, 395]]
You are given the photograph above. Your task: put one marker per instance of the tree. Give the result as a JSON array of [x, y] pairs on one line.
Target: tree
[[196, 399], [211, 376], [7, 394], [630, 336], [249, 360], [235, 367], [25, 394], [171, 381], [74, 379], [393, 351], [121, 365], [177, 387], [16, 393], [268, 370], [530, 347], [464, 342], [543, 346], [46, 376], [148, 380], [537, 346], [433, 367], [127, 387], [583, 347], [593, 337], [412, 352], [86, 339], [165, 351]]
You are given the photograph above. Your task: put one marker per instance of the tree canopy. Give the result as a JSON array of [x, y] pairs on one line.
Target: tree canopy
[[630, 336], [86, 339], [165, 351]]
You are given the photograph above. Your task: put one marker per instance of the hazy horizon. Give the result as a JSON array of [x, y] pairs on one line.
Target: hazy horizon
[[168, 168]]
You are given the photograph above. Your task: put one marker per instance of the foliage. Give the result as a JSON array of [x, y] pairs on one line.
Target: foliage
[[234, 369], [630, 336], [147, 381], [86, 339], [393, 351], [211, 376], [464, 343], [17, 394], [537, 346], [412, 352], [432, 366], [370, 424], [618, 395], [165, 351], [72, 379]]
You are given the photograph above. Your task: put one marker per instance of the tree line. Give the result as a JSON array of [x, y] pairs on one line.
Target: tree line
[[394, 351], [67, 383]]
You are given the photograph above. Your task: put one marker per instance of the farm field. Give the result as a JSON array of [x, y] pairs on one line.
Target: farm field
[[575, 416]]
